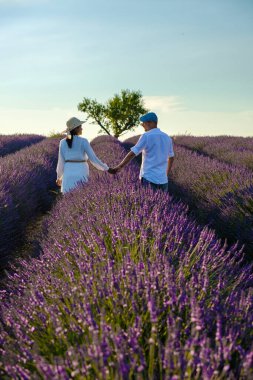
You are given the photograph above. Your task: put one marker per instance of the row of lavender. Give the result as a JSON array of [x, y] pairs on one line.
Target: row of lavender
[[220, 194], [233, 150], [12, 143], [128, 287], [26, 178]]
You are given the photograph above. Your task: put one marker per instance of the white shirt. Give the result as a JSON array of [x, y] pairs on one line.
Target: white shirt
[[156, 147], [74, 172]]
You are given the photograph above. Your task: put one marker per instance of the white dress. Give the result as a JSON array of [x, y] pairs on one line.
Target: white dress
[[73, 172]]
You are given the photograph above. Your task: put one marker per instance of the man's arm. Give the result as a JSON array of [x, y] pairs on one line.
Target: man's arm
[[135, 150], [170, 163], [125, 161]]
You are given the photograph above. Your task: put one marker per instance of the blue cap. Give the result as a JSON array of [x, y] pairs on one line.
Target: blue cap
[[150, 116]]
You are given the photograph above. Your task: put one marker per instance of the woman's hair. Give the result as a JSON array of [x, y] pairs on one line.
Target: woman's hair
[[70, 140]]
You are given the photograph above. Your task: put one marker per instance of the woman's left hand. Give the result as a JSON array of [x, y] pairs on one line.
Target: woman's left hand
[[59, 182]]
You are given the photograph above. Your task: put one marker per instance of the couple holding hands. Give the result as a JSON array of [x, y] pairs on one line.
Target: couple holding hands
[[75, 151]]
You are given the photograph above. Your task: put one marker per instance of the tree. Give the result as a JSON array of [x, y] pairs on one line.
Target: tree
[[120, 113]]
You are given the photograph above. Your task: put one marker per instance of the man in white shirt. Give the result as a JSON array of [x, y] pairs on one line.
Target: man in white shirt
[[157, 154]]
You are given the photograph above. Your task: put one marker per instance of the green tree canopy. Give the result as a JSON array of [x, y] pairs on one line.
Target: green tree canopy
[[120, 113]]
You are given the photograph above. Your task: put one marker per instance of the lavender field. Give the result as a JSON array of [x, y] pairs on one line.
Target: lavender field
[[128, 285], [233, 150], [12, 143], [26, 179], [218, 193]]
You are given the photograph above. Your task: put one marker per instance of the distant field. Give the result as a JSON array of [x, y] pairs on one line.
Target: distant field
[[12, 143], [131, 283], [233, 150]]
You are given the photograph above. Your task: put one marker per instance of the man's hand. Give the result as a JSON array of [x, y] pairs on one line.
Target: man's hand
[[130, 155]]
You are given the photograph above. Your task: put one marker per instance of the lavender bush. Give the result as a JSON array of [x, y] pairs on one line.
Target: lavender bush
[[128, 287], [214, 189], [26, 178], [233, 150], [219, 194], [13, 143]]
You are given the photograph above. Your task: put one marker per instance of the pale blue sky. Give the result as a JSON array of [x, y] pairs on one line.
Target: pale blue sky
[[191, 59]]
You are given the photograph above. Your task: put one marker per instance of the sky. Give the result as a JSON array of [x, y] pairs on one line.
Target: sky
[[192, 60]]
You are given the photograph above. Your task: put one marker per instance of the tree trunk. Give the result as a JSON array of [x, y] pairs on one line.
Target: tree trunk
[[101, 126]]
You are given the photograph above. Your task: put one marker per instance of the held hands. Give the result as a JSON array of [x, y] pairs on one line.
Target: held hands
[[114, 170], [130, 155]]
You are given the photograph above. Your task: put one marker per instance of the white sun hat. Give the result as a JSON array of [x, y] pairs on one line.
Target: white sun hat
[[73, 123]]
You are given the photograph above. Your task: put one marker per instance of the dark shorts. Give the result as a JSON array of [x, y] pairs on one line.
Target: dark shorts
[[155, 186]]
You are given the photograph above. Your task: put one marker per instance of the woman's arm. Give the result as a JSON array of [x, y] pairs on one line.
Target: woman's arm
[[93, 158], [60, 164]]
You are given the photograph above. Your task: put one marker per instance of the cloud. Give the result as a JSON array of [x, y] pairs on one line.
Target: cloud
[[163, 104]]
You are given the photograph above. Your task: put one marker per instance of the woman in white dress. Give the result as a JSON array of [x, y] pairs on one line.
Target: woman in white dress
[[74, 152]]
